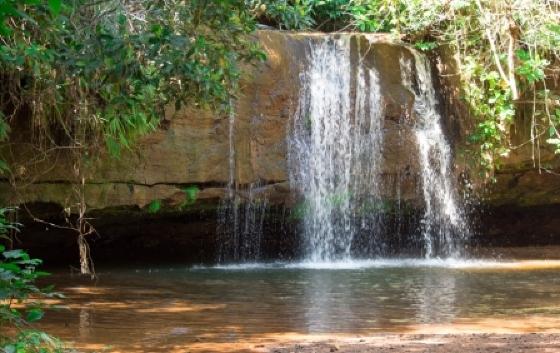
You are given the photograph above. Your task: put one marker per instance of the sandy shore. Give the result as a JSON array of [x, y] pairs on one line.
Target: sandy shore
[[429, 343]]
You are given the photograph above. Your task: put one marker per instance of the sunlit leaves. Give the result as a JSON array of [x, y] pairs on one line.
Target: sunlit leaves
[[531, 67], [18, 273], [425, 45], [290, 15], [525, 37], [107, 70]]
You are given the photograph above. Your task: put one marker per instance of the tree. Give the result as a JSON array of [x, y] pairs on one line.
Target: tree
[[88, 77]]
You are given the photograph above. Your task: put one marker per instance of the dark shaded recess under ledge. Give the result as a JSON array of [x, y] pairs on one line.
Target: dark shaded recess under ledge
[[512, 225], [130, 236]]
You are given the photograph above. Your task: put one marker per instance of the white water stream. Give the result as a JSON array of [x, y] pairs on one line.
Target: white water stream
[[335, 155], [240, 220], [334, 149], [444, 229]]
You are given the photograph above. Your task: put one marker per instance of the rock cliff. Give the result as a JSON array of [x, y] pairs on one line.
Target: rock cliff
[[191, 150]]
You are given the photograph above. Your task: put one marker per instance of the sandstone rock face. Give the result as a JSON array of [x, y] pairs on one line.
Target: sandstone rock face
[[193, 148]]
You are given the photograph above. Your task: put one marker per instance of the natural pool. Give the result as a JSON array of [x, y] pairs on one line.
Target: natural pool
[[168, 309]]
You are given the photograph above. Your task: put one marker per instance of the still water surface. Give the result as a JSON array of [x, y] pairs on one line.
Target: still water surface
[[171, 309]]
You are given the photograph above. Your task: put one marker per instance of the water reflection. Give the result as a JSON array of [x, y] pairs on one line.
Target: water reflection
[[326, 301], [85, 323], [344, 302], [138, 309], [435, 297]]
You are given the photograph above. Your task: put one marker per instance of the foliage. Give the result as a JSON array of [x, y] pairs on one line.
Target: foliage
[[81, 77], [290, 15], [191, 193], [105, 70], [154, 206], [18, 292], [324, 15], [504, 50], [6, 225]]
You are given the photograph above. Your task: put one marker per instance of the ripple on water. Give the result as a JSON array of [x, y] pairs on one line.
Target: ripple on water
[[356, 264]]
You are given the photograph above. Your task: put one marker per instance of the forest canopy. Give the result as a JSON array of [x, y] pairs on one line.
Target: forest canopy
[[86, 72]]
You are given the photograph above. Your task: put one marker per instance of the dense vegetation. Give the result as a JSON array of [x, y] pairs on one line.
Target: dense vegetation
[[19, 299], [90, 76], [104, 71]]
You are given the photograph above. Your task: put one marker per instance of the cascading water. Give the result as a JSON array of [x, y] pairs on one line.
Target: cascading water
[[335, 149], [228, 214], [241, 213], [444, 229]]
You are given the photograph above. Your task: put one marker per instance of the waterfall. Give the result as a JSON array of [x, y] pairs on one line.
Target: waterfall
[[335, 149], [335, 164], [228, 211], [241, 213], [444, 229]]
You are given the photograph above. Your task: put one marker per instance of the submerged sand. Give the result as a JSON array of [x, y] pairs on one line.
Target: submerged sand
[[427, 343]]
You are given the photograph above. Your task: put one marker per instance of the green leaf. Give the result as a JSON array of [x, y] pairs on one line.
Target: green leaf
[[553, 27], [55, 6], [154, 206], [522, 55], [14, 254], [425, 46], [9, 267], [34, 315], [9, 349], [191, 192]]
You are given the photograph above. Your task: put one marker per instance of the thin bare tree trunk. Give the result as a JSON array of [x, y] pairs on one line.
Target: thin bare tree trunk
[[510, 79], [84, 255], [84, 229]]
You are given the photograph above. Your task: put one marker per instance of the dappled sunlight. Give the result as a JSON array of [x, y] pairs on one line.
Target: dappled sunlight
[[415, 340], [181, 308], [253, 309], [527, 324], [88, 290], [519, 265]]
